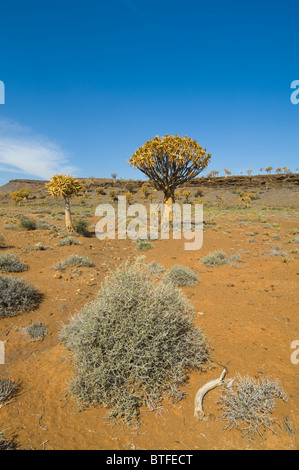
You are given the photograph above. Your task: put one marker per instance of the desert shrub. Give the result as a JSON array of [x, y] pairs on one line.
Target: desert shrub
[[247, 404], [81, 227], [215, 259], [6, 444], [134, 344], [27, 224], [74, 261], [143, 245], [113, 195], [155, 269], [101, 190], [67, 241], [8, 389], [36, 331], [187, 194], [39, 247], [10, 263], [181, 276], [17, 295], [43, 225], [10, 227], [296, 240], [1, 240], [234, 258]]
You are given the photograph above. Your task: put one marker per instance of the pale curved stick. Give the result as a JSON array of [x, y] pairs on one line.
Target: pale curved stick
[[198, 402]]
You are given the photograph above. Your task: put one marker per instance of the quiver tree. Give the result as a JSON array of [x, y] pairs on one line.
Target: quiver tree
[[169, 162], [20, 195], [65, 186]]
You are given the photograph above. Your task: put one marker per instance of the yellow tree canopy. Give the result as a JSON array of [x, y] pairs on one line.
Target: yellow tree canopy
[[64, 186], [20, 194], [170, 161]]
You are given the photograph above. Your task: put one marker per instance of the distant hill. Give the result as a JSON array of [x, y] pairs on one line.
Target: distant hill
[[221, 182]]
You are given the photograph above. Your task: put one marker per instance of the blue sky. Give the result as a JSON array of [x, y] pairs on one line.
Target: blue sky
[[87, 83]]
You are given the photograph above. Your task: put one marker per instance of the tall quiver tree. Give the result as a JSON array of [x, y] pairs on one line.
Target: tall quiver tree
[[169, 162], [65, 186]]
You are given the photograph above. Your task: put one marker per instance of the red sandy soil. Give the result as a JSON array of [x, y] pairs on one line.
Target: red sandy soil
[[249, 314]]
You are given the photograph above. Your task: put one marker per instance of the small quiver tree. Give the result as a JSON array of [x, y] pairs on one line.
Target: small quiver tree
[[20, 195], [65, 186]]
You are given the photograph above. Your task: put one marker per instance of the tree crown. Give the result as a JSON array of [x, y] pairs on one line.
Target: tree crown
[[170, 161], [64, 185]]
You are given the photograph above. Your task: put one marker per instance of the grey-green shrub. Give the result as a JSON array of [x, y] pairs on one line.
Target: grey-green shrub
[[10, 227], [181, 276], [155, 269], [17, 295], [133, 345], [218, 258], [247, 404], [10, 263], [36, 331], [74, 261], [8, 389], [215, 259], [68, 241]]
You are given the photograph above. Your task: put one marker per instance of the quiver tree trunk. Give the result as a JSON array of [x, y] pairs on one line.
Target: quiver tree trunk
[[68, 216], [168, 201]]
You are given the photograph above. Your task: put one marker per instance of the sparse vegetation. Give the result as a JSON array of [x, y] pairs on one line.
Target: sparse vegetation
[[134, 344], [81, 227], [8, 390], [27, 224], [247, 405], [36, 331], [215, 259], [68, 241], [155, 269], [143, 245], [181, 276], [17, 295], [74, 261], [10, 263]]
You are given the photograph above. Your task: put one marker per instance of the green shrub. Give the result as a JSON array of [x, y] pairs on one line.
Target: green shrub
[[143, 245], [27, 224], [17, 295], [81, 227], [10, 263], [134, 345], [181, 276]]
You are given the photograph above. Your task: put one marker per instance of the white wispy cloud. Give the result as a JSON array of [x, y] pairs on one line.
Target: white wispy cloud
[[24, 151]]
